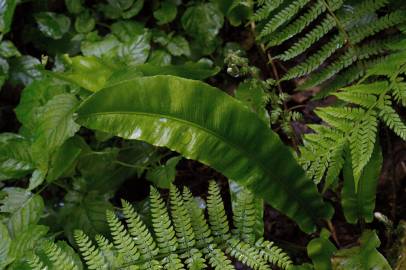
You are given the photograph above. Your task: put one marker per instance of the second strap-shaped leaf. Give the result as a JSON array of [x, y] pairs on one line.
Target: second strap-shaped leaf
[[205, 124]]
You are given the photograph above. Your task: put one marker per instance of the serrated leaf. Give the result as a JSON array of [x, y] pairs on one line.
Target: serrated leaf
[[203, 123], [178, 46], [202, 21], [163, 176], [52, 25], [125, 31], [7, 8], [135, 51], [7, 49], [166, 13], [15, 156]]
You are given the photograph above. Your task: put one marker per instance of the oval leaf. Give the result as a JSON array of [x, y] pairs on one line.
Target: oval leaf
[[205, 124]]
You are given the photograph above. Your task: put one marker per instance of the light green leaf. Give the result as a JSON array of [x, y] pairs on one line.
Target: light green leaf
[[7, 49], [125, 31], [89, 72], [4, 246], [24, 69], [178, 46], [166, 13], [56, 123], [7, 8], [364, 257], [22, 207], [52, 25], [27, 240], [101, 47], [37, 178], [320, 250], [15, 156], [135, 51], [360, 203], [33, 97], [203, 21], [85, 22], [203, 123], [160, 58], [163, 175]]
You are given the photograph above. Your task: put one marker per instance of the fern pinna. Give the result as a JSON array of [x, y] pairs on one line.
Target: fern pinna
[[351, 130], [343, 25], [182, 239]]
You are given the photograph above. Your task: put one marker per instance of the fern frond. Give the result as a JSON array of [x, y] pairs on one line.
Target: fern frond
[[273, 254], [309, 39], [123, 242], [336, 164], [298, 25], [264, 11], [364, 100], [35, 263], [172, 262], [399, 92], [361, 9], [108, 251], [362, 141], [199, 224], [246, 254], [392, 120], [217, 215], [194, 259], [316, 59], [244, 217], [164, 232], [139, 232], [60, 260], [218, 260], [282, 17], [93, 256]]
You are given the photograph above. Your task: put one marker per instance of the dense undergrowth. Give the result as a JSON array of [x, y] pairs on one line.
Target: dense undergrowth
[[109, 109]]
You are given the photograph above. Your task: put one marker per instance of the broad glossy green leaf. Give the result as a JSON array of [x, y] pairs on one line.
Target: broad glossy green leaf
[[166, 13], [360, 204], [22, 208], [7, 8], [52, 25], [37, 178], [163, 175], [15, 156], [320, 250], [364, 257], [135, 51], [203, 21], [27, 240], [4, 246], [25, 69], [205, 124]]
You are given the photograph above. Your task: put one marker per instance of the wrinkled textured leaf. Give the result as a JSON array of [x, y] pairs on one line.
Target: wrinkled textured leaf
[[27, 240], [7, 49], [22, 207], [166, 12], [135, 51], [7, 8], [74, 6], [15, 156], [364, 257], [178, 45], [85, 22], [52, 25], [203, 123], [203, 21], [125, 31], [4, 246], [160, 58]]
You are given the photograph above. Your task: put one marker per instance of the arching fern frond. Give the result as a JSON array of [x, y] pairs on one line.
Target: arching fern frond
[[195, 245]]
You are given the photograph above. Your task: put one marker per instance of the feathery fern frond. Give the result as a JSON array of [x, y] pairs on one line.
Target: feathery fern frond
[[194, 245]]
